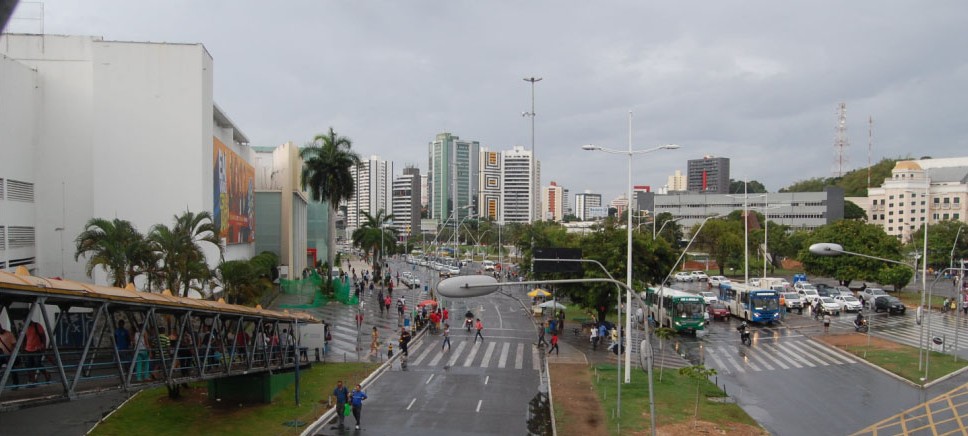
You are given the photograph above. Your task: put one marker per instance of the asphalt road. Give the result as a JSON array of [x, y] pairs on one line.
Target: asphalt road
[[475, 388]]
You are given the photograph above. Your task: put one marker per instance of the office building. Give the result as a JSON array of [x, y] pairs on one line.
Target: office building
[[373, 178], [553, 204], [709, 175], [451, 176], [281, 207], [919, 192], [584, 202], [518, 193], [676, 183], [490, 185], [406, 202], [130, 130]]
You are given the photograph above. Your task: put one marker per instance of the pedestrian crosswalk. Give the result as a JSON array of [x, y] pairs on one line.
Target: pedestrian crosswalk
[[512, 355], [951, 327], [772, 355]]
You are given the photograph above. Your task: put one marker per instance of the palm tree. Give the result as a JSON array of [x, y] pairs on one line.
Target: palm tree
[[180, 249], [374, 235], [113, 245], [326, 173]]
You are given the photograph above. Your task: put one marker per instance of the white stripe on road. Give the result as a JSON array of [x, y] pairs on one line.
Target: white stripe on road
[[486, 379], [780, 354], [430, 378], [719, 363], [411, 403], [534, 357], [437, 358], [502, 362], [729, 359], [453, 359], [519, 357], [775, 361], [471, 355], [479, 405], [487, 354], [422, 356]]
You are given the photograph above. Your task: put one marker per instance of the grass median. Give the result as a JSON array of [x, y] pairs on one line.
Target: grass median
[[897, 358], [194, 413], [675, 404]]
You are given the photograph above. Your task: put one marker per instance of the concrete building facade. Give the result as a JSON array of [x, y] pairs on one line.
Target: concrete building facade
[[518, 193], [452, 176], [374, 186], [584, 201], [709, 175], [129, 130], [553, 203], [919, 192], [490, 185], [406, 202], [281, 207]]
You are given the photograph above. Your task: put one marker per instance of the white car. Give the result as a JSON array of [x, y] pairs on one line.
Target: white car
[[792, 301], [828, 305], [488, 265], [849, 303], [699, 276], [708, 296], [718, 280], [683, 276], [809, 296]]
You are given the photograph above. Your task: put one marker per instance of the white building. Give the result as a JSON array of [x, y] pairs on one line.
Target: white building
[[452, 176], [281, 207], [406, 202], [518, 192], [553, 202], [799, 210], [620, 203], [584, 201], [490, 184], [676, 183], [373, 178], [919, 192], [114, 129]]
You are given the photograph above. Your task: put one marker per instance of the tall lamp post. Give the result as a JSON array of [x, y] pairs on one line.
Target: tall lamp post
[[628, 266]]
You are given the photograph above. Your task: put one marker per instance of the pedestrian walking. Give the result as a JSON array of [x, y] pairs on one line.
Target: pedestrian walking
[[480, 327], [404, 341], [359, 318], [541, 335], [554, 344], [446, 338], [342, 398], [374, 342], [594, 338], [826, 323], [356, 401]]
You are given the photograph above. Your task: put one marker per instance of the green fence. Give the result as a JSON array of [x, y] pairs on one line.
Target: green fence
[[312, 288]]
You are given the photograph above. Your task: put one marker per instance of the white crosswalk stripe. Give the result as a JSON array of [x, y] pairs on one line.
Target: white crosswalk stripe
[[472, 355], [519, 357], [905, 330], [502, 362], [496, 354], [774, 355], [487, 354]]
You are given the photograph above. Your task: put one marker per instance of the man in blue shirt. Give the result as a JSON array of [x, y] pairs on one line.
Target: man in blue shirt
[[122, 339], [356, 400], [342, 397]]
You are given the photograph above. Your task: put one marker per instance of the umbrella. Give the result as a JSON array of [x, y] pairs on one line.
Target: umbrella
[[427, 303], [539, 292], [552, 303]]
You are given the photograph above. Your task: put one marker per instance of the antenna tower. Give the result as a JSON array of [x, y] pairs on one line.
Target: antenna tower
[[870, 145], [840, 142]]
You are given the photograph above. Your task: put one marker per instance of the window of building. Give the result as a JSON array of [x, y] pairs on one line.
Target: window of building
[[937, 200], [21, 237], [934, 217], [20, 191], [957, 200], [956, 216], [900, 196], [890, 229], [945, 216], [891, 221], [3, 238], [946, 200], [890, 197]]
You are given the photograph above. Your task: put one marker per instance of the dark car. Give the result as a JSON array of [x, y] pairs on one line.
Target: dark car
[[889, 304], [717, 310]]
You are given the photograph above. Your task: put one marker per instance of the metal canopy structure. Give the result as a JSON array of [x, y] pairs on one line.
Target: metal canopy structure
[[66, 338]]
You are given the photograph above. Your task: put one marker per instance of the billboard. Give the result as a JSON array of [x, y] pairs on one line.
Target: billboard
[[597, 212], [234, 202]]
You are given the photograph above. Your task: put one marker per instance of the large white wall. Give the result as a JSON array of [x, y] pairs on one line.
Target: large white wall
[[126, 132], [18, 105]]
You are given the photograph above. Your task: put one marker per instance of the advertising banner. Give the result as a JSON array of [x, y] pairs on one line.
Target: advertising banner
[[234, 205]]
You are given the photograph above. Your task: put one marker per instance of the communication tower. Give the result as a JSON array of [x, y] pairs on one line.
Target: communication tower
[[840, 141]]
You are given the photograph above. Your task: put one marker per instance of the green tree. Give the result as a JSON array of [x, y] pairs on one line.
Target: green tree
[[751, 187], [895, 275], [854, 236], [671, 231], [373, 236], [113, 245], [943, 236], [854, 212], [810, 185], [181, 252], [664, 334], [723, 240], [697, 373], [326, 173]]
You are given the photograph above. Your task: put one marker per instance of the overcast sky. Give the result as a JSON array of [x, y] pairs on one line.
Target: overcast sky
[[755, 81]]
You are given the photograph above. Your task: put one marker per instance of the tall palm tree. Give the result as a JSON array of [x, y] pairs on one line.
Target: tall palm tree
[[180, 249], [326, 173], [112, 245], [374, 236]]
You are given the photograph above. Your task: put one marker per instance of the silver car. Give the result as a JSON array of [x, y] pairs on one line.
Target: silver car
[[849, 303]]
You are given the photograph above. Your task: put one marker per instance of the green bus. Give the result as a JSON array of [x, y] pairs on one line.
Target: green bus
[[678, 310]]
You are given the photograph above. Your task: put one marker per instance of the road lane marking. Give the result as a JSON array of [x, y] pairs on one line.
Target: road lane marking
[[487, 354], [500, 319], [430, 378], [437, 358], [502, 362], [769, 355], [835, 358], [486, 379], [422, 356], [411, 403], [781, 355], [453, 359], [719, 363], [479, 405], [472, 355], [534, 358], [519, 357]]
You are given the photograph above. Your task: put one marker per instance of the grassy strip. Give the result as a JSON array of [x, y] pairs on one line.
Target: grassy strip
[[153, 411], [903, 361], [675, 400]]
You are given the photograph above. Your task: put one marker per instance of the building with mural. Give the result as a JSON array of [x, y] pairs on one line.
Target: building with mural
[[130, 130]]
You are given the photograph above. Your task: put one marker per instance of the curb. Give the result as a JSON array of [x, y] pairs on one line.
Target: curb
[[330, 414], [864, 361], [105, 417]]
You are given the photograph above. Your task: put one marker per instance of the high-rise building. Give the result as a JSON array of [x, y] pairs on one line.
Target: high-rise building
[[709, 175], [373, 179], [518, 193], [620, 203], [584, 201], [452, 176], [281, 207], [489, 193], [406, 202], [676, 183], [553, 202]]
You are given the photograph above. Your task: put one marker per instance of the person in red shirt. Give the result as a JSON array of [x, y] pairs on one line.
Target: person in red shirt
[[35, 346], [554, 343], [480, 327]]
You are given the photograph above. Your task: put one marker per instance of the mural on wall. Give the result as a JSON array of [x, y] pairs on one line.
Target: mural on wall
[[234, 201]]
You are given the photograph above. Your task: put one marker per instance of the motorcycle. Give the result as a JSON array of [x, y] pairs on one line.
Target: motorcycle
[[861, 326], [745, 335], [468, 323]]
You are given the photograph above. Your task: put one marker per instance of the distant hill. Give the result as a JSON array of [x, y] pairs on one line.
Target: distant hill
[[854, 182]]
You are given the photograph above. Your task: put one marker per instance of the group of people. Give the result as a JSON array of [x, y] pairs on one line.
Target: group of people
[[349, 402]]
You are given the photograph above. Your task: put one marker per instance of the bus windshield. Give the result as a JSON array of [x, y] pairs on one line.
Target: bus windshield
[[761, 303], [689, 309]]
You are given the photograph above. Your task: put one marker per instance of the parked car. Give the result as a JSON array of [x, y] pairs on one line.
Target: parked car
[[844, 291], [488, 265], [792, 301], [828, 305], [408, 278], [808, 296], [718, 310], [683, 276], [709, 297], [717, 280], [868, 295], [699, 276], [849, 303], [889, 304]]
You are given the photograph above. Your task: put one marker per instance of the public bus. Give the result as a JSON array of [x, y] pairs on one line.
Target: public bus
[[750, 303], [678, 310]]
